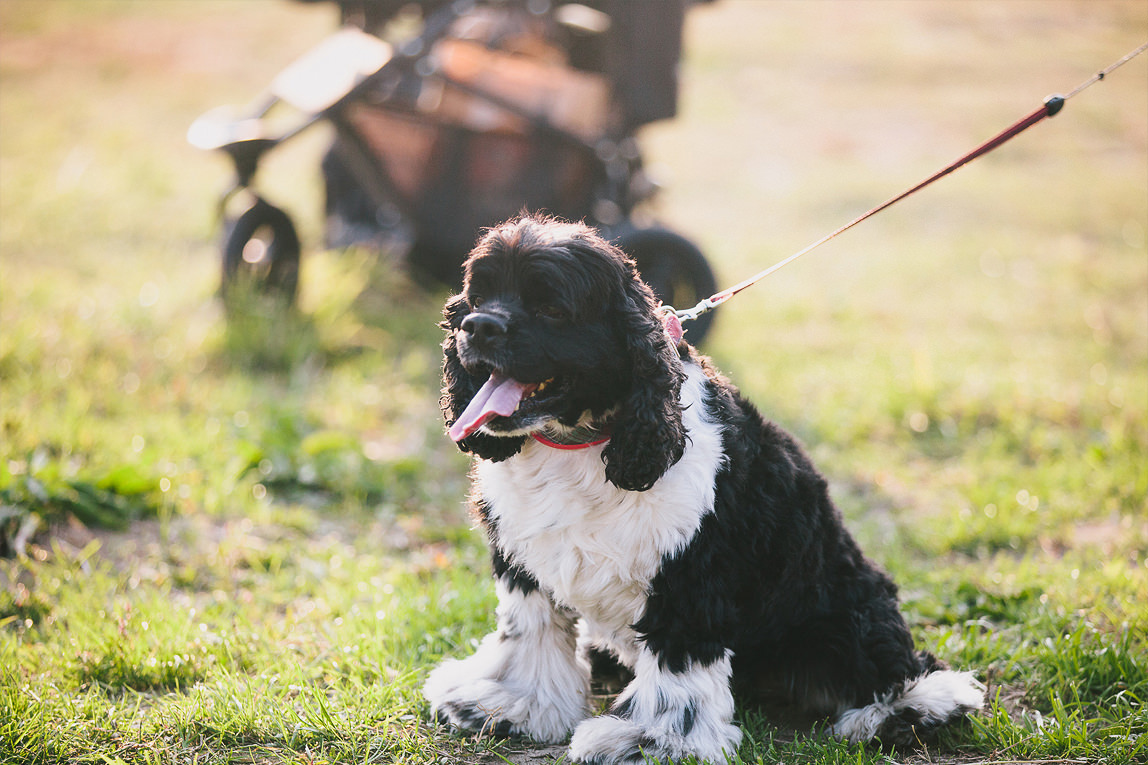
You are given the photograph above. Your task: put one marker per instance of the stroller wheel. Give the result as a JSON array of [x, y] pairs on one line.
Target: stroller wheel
[[260, 257], [676, 271]]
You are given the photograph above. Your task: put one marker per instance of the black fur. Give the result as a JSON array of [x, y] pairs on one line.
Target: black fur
[[576, 312], [459, 387], [774, 575], [514, 576]]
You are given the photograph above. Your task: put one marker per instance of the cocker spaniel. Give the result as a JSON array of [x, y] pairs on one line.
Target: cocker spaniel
[[639, 509]]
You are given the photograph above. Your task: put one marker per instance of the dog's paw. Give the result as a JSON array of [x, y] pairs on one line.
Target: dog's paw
[[611, 740], [485, 706], [474, 717], [608, 740]]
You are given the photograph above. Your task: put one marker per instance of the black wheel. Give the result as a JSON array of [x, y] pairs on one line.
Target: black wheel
[[676, 271], [260, 256]]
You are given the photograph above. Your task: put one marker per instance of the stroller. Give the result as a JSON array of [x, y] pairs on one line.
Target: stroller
[[488, 109]]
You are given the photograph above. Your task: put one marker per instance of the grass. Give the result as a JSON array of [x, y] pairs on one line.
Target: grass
[[229, 543]]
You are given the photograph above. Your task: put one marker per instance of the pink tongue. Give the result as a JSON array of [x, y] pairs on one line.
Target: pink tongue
[[498, 397]]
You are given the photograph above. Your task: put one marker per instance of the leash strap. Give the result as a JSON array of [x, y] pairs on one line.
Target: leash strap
[[1049, 108]]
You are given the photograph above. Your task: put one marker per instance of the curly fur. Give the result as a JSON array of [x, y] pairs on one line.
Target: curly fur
[[698, 548], [641, 360]]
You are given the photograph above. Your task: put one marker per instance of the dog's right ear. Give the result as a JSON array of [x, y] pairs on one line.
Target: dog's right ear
[[459, 387], [648, 435]]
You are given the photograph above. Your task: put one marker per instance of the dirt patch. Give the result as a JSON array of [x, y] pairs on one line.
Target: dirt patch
[[523, 755]]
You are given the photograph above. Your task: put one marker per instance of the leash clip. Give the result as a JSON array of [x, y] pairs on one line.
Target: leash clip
[[689, 314], [672, 318]]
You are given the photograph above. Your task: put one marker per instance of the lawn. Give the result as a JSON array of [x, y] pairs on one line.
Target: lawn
[[225, 544]]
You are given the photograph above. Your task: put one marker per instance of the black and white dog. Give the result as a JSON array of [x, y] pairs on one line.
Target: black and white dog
[[637, 506]]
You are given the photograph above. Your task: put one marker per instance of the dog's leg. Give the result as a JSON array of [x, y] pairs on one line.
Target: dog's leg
[[665, 715], [524, 679]]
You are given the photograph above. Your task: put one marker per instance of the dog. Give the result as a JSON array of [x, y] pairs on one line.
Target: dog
[[640, 510]]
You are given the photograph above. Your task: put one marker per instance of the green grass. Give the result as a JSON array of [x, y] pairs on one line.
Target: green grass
[[247, 542]]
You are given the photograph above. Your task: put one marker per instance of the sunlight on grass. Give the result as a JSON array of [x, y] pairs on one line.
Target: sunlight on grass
[[243, 537]]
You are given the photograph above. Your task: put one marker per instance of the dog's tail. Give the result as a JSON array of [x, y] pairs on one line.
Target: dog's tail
[[912, 710]]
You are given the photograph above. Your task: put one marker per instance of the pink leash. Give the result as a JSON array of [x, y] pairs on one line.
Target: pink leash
[[673, 318]]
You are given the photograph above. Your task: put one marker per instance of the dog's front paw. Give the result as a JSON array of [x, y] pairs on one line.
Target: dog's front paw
[[608, 740], [463, 695], [484, 707], [611, 740]]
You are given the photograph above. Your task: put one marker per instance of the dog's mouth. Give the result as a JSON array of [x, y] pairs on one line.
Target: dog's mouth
[[499, 396]]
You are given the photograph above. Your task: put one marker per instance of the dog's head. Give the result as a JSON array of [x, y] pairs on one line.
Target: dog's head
[[554, 329]]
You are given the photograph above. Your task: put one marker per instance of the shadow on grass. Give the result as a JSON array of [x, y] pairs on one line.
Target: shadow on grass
[[354, 301]]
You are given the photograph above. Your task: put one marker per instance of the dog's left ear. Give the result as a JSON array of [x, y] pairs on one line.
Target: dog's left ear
[[459, 388], [648, 436]]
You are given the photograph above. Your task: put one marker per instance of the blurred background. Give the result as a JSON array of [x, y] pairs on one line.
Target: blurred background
[[969, 367], [1003, 307]]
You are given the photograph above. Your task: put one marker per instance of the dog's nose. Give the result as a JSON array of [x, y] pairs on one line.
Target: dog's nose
[[484, 328]]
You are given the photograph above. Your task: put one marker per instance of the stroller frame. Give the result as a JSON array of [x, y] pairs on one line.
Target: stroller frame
[[351, 74]]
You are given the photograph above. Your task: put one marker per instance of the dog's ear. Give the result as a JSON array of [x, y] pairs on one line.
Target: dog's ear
[[459, 387], [648, 436]]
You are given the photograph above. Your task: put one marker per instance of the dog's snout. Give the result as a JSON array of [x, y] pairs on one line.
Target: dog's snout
[[484, 328]]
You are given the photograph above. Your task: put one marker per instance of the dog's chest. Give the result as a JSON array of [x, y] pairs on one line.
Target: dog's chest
[[593, 546]]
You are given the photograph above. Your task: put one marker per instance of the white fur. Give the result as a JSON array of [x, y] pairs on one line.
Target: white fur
[[622, 643], [657, 700], [594, 547], [936, 697], [526, 673], [861, 724]]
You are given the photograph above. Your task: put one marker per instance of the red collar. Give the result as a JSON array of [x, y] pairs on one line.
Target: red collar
[[581, 438]]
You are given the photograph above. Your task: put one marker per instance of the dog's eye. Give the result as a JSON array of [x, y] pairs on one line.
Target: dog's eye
[[475, 301], [550, 311]]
